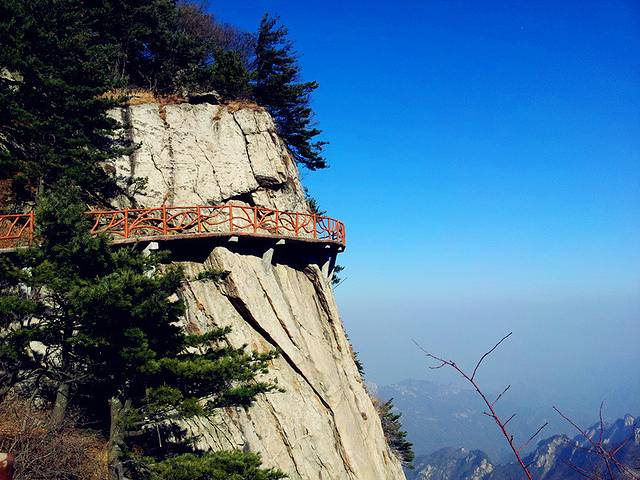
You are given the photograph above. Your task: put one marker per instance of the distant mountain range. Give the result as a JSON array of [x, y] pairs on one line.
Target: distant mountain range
[[555, 458], [446, 415]]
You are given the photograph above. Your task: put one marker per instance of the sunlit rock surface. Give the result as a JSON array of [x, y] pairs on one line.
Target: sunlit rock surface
[[323, 426]]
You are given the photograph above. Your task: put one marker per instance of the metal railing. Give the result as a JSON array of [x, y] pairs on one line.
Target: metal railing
[[165, 223]]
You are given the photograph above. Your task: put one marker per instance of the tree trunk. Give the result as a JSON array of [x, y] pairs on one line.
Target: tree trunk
[[60, 406], [116, 437], [64, 388]]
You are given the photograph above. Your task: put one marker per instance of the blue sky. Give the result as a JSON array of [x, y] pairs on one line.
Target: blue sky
[[485, 157]]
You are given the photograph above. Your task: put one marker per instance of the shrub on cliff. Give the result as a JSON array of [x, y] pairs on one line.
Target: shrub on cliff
[[393, 432]]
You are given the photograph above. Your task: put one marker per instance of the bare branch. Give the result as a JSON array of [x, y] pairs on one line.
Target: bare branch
[[509, 419], [473, 375], [533, 436], [597, 448], [573, 424], [500, 396], [436, 367], [491, 411]]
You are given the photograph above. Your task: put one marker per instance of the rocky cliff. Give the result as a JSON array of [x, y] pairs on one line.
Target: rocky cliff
[[323, 425]]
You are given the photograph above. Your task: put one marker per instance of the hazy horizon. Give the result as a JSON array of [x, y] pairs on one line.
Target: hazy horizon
[[486, 162]]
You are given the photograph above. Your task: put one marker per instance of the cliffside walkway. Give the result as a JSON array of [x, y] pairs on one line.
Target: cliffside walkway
[[164, 223]]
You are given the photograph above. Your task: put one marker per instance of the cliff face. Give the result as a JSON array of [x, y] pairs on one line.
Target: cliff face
[[323, 426], [206, 154]]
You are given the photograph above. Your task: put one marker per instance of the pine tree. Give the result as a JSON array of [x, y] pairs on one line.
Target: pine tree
[[97, 328], [214, 466], [154, 49], [396, 437], [168, 47], [279, 90], [53, 122]]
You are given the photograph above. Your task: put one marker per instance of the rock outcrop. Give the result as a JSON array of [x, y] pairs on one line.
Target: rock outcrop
[[323, 425], [204, 154]]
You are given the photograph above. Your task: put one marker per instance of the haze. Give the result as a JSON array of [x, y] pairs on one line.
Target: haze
[[485, 157]]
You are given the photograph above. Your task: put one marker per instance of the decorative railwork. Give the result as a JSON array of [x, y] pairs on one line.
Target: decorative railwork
[[166, 223], [16, 230]]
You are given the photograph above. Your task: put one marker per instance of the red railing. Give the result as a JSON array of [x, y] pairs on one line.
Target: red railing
[[16, 230], [164, 223]]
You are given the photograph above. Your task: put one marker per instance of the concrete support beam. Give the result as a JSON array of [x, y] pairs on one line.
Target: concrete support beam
[[328, 266], [267, 258], [151, 247]]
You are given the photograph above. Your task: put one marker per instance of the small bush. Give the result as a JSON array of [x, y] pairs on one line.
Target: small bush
[[212, 275], [45, 453]]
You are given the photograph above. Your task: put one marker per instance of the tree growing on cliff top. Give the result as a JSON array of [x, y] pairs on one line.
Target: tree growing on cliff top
[[278, 88]]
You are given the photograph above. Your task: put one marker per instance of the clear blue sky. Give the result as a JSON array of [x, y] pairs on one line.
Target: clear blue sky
[[486, 159]]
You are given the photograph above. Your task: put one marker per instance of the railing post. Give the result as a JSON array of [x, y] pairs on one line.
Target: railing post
[[297, 224], [255, 219], [199, 219], [126, 223], [32, 220], [277, 220], [230, 218], [165, 229], [315, 226]]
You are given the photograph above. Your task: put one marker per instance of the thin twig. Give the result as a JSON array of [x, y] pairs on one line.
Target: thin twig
[[533, 436], [500, 396], [475, 370]]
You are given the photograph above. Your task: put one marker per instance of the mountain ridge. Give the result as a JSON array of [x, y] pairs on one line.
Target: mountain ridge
[[558, 457]]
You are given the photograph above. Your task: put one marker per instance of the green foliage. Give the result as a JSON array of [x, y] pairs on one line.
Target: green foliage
[[336, 279], [229, 75], [109, 320], [358, 362], [169, 47], [312, 203], [53, 124], [153, 48], [232, 465], [396, 437], [277, 87], [356, 359], [212, 275]]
